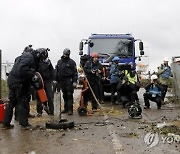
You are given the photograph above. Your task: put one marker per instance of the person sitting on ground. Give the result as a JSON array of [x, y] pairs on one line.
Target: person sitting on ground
[[126, 93], [153, 92], [133, 80]]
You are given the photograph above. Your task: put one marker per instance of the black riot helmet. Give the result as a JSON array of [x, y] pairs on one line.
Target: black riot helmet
[[28, 49], [66, 52], [42, 53]]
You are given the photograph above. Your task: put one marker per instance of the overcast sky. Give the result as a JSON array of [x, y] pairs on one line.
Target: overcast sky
[[59, 24]]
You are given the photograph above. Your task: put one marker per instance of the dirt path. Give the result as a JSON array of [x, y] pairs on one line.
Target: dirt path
[[113, 132]]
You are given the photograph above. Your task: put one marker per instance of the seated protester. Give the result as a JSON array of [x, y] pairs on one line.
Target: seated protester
[[114, 77], [133, 79], [153, 93], [126, 93]]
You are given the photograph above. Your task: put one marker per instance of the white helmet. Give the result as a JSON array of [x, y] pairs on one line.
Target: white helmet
[[166, 59], [153, 77]]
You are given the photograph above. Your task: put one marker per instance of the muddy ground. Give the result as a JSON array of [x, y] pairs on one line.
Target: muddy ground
[[107, 131]]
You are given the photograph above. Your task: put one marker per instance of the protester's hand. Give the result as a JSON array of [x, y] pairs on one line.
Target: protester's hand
[[155, 83], [123, 81], [35, 77], [165, 68], [74, 84], [104, 78], [92, 71], [99, 71], [55, 82]]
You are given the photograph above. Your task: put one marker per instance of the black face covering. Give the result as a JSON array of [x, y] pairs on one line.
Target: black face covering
[[65, 57]]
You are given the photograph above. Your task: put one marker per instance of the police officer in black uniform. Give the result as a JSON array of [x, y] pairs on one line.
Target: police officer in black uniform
[[26, 49], [47, 72], [67, 76], [19, 82]]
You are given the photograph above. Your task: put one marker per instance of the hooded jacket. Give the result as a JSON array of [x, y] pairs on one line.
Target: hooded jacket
[[24, 68]]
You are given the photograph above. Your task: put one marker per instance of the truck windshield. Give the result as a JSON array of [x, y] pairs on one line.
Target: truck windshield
[[122, 47]]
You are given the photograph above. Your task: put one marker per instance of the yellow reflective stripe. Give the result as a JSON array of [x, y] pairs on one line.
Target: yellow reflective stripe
[[131, 80]]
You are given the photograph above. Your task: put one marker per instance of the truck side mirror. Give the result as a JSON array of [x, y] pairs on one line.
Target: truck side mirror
[[81, 46], [80, 52], [91, 44], [141, 52], [141, 46]]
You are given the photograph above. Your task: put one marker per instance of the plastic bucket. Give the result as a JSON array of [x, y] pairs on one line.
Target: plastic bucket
[[42, 95], [2, 110]]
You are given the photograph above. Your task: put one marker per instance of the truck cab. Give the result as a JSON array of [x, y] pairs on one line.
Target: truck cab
[[110, 45]]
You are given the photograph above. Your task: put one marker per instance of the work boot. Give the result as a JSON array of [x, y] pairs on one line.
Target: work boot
[[159, 107], [70, 112], [64, 111], [162, 102], [31, 115], [16, 118], [113, 102], [51, 113], [101, 102], [94, 109], [7, 126], [27, 127], [137, 102], [39, 115], [146, 107], [46, 109]]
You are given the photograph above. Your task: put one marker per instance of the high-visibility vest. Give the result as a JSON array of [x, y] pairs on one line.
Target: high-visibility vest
[[132, 80]]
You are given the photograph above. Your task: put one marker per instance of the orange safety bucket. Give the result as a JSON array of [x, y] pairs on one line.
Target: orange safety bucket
[[42, 95]]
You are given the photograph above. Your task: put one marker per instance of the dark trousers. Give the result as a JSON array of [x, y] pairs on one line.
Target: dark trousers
[[67, 90], [86, 97], [165, 87], [125, 98], [49, 92], [28, 99], [148, 97], [136, 89], [96, 90], [101, 90], [18, 94], [113, 91]]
